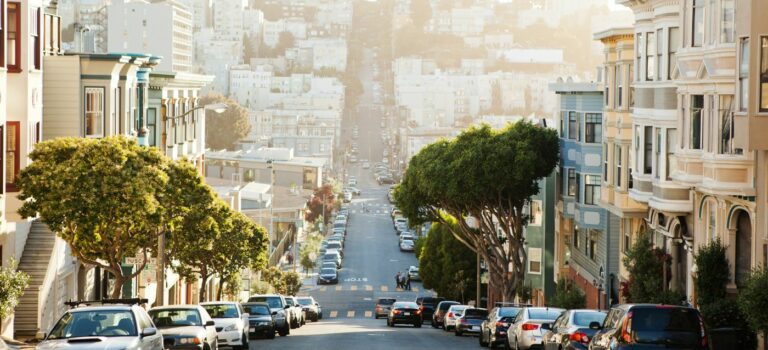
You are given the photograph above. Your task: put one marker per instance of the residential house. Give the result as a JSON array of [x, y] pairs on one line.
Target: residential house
[[254, 166], [540, 242]]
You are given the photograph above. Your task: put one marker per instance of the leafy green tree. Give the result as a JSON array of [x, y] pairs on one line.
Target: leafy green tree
[[233, 284], [446, 265], [274, 276], [100, 196], [482, 180], [568, 295], [12, 285], [713, 273], [224, 130], [306, 261], [291, 283], [646, 265], [753, 300], [243, 245]]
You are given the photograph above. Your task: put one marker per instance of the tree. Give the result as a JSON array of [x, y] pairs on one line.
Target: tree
[[322, 194], [233, 285], [645, 264], [12, 285], [291, 283], [100, 196], [244, 245], [482, 180], [568, 295], [224, 130], [446, 265], [713, 273], [274, 276], [753, 300]]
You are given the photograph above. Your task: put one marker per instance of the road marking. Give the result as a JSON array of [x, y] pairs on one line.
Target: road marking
[[323, 289], [415, 289], [338, 288], [350, 313], [334, 314], [368, 314], [353, 288], [393, 260], [368, 287], [384, 288]]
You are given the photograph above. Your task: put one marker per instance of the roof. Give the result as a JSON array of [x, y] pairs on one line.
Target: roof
[[262, 157], [103, 307], [610, 32], [175, 307], [219, 303]]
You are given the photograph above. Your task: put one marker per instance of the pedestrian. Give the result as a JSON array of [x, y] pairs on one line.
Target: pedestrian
[[289, 258], [402, 281], [397, 280], [408, 282]]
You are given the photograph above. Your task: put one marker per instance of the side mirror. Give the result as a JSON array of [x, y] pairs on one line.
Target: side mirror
[[547, 326], [246, 315], [274, 313], [595, 325], [146, 332], [210, 323], [287, 307], [40, 336]]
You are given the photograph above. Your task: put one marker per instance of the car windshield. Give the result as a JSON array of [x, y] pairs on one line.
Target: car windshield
[[175, 318], [305, 301], [665, 319], [330, 256], [583, 319], [289, 301], [328, 271], [509, 311], [221, 310], [446, 306], [273, 302], [475, 313], [256, 310], [542, 314], [405, 305], [101, 323], [386, 301]]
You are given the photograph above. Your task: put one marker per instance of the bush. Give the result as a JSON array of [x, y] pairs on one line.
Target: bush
[[568, 295], [12, 285], [713, 273], [753, 300], [646, 265], [726, 317], [292, 283]]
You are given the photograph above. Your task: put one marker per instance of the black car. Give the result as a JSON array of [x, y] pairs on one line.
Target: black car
[[438, 317], [650, 326], [404, 312], [470, 322], [383, 306], [261, 321], [493, 331], [427, 306], [571, 330], [328, 276]]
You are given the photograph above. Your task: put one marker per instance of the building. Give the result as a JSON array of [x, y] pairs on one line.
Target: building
[[586, 244], [617, 144], [254, 166], [327, 53], [163, 28], [540, 242]]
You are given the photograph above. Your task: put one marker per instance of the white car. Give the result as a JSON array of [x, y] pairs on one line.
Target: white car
[[406, 245], [526, 332], [453, 314], [231, 323], [347, 197], [366, 165]]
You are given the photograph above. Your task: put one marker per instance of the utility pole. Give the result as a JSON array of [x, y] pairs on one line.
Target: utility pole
[[160, 272], [477, 284]]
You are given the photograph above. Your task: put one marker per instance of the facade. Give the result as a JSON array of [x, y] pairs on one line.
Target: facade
[[327, 53], [587, 248], [754, 85], [617, 144], [254, 166], [540, 242]]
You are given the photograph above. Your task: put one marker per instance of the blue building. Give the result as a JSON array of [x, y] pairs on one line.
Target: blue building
[[586, 235]]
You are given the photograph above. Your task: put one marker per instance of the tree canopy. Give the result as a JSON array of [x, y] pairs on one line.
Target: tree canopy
[[483, 179], [12, 285], [223, 130], [447, 266], [322, 202]]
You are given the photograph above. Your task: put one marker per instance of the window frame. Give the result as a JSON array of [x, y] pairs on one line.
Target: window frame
[[531, 260], [647, 149], [533, 213], [619, 81], [606, 166], [36, 39], [725, 118], [16, 67], [743, 73], [617, 153], [639, 54], [593, 122], [592, 189], [10, 184], [727, 33], [650, 56], [571, 182], [103, 103], [695, 116], [2, 33], [672, 47], [763, 106], [660, 54], [573, 125], [575, 242], [698, 8]]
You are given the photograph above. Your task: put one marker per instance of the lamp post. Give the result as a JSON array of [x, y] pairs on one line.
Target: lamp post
[[271, 168], [160, 289]]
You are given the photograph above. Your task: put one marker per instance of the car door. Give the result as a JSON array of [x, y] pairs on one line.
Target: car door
[[602, 339], [152, 342], [516, 326], [210, 331], [550, 338]]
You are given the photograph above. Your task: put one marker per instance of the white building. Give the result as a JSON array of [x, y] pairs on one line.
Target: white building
[[228, 19], [251, 87], [327, 53]]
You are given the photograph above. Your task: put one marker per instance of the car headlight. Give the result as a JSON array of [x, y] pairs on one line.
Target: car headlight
[[232, 327], [190, 340], [262, 323], [280, 314]]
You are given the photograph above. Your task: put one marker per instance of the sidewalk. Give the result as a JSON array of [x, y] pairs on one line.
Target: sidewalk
[[309, 280]]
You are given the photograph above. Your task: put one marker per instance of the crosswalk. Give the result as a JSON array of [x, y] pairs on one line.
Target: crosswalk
[[336, 314], [367, 288], [371, 208]]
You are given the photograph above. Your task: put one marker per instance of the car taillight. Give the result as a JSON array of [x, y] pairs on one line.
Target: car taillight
[[704, 340], [530, 327], [626, 329], [450, 314], [580, 337], [396, 312], [502, 324], [418, 312], [463, 321]]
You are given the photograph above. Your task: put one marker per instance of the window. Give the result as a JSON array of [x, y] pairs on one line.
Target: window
[[650, 56], [563, 117], [743, 74], [725, 112], [38, 136], [13, 53], [639, 56], [535, 214], [94, 112], [711, 220], [627, 238], [671, 149], [697, 104], [572, 182], [658, 153], [727, 20], [591, 189], [35, 39], [605, 162], [573, 126], [764, 74], [2, 155], [617, 161], [648, 150], [534, 260], [619, 86], [673, 42], [576, 237], [2, 33], [697, 23], [606, 91], [593, 131], [152, 126], [592, 243], [659, 52], [12, 156]]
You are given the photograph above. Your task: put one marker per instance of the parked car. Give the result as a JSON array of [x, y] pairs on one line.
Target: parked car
[[413, 272], [231, 323], [334, 244], [328, 275], [333, 255], [383, 306], [438, 317], [399, 220], [354, 190], [525, 332], [103, 327], [278, 306], [427, 306], [309, 305], [406, 245], [571, 330], [493, 331], [185, 325], [470, 322], [261, 320], [366, 165], [649, 326], [404, 312], [297, 315], [407, 235], [347, 197], [454, 313]]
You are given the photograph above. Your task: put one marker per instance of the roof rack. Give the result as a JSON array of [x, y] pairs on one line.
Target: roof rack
[[127, 301]]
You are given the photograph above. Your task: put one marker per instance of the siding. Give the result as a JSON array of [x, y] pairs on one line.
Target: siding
[[61, 96]]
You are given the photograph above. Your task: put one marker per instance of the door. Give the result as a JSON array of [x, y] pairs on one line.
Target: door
[[743, 247]]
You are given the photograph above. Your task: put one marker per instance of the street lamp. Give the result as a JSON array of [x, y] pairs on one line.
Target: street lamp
[[218, 108], [272, 202]]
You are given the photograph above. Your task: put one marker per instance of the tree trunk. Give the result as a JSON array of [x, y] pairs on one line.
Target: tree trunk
[[203, 285], [221, 288], [117, 290]]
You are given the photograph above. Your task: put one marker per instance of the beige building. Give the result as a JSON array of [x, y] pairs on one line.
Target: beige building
[[617, 139]]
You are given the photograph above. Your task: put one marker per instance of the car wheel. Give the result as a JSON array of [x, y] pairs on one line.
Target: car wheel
[[271, 335], [457, 333], [417, 324], [285, 331]]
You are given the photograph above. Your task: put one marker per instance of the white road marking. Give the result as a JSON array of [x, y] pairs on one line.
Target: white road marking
[[334, 314], [351, 313]]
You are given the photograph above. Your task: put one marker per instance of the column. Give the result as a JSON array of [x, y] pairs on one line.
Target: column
[[675, 253]]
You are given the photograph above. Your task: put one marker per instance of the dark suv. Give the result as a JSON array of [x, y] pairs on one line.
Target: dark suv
[[650, 326], [439, 316], [427, 306]]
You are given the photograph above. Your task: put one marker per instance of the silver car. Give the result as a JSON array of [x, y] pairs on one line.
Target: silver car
[[185, 326], [103, 327], [526, 331]]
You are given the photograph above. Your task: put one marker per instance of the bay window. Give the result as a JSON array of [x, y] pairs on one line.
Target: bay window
[[727, 21], [650, 56], [743, 74], [13, 27], [697, 104], [94, 112], [593, 128], [697, 23], [673, 44]]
